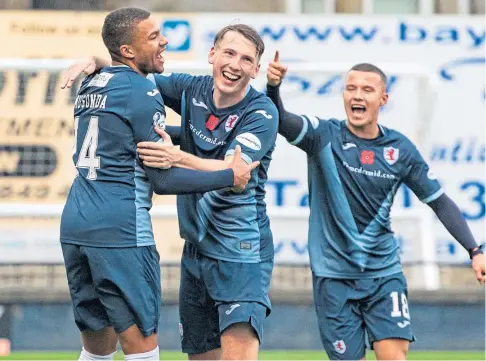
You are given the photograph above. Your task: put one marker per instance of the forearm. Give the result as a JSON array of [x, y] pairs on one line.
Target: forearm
[[101, 62], [192, 162], [290, 124], [451, 217], [187, 181]]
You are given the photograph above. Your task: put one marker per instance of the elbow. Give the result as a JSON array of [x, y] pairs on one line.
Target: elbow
[[158, 190], [161, 191]]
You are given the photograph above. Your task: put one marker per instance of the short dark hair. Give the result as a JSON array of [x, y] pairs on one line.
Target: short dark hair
[[245, 30], [371, 69], [119, 27]]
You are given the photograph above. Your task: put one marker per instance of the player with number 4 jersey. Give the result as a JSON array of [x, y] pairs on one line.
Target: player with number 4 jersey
[[355, 167], [107, 241]]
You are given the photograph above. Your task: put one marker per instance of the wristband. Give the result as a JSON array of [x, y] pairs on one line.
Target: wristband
[[479, 250]]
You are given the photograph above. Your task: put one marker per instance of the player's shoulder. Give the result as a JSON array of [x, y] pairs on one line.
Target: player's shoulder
[[261, 105], [397, 140], [137, 81], [103, 78], [395, 136], [119, 77], [324, 124], [187, 80]]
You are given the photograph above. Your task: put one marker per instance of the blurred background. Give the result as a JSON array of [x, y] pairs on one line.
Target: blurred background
[[434, 54]]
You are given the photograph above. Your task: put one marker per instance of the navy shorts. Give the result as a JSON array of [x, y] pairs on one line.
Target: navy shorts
[[349, 309], [216, 294], [117, 287]]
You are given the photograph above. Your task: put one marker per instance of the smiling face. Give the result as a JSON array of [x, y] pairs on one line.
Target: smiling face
[[147, 47], [364, 94], [235, 61]]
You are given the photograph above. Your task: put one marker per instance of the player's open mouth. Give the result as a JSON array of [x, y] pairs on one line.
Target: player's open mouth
[[231, 77], [160, 56], [358, 109]]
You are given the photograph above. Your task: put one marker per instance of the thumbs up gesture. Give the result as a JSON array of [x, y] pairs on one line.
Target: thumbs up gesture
[[276, 71]]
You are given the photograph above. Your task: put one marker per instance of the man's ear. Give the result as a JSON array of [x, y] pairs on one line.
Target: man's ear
[[384, 99], [211, 55], [126, 51], [255, 73]]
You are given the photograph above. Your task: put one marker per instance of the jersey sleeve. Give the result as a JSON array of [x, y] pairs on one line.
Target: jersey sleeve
[[145, 109], [258, 134], [314, 134], [420, 179], [172, 86]]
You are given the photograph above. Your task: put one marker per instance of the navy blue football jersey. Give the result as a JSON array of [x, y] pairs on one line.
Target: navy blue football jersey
[[352, 184], [224, 224], [109, 201]]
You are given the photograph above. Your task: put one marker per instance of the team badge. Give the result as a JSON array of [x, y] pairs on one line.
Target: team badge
[[391, 154], [212, 122], [230, 122], [159, 120], [339, 346]]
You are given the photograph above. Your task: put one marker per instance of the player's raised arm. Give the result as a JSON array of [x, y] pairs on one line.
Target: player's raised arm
[[290, 124], [298, 130], [424, 184], [87, 65]]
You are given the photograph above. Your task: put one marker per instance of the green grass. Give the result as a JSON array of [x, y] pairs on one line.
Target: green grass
[[264, 355]]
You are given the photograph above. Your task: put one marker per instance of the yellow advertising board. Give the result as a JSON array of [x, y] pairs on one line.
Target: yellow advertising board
[[36, 116], [68, 34]]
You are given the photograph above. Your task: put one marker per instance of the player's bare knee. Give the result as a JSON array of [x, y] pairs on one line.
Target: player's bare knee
[[102, 342], [242, 331], [391, 349], [132, 341], [239, 342]]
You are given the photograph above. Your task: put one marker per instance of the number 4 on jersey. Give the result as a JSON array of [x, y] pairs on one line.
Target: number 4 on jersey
[[87, 155]]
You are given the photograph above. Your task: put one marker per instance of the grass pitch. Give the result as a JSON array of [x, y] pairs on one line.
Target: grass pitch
[[264, 355]]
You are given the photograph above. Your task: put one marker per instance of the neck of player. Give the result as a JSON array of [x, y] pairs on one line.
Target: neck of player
[[222, 100], [129, 64], [368, 131]]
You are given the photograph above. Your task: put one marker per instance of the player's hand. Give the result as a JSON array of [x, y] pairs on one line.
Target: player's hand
[[85, 65], [276, 71], [159, 155], [241, 170], [479, 268]]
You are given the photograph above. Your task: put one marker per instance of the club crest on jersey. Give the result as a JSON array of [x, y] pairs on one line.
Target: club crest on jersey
[[230, 122], [339, 346], [159, 120], [212, 122], [391, 154]]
